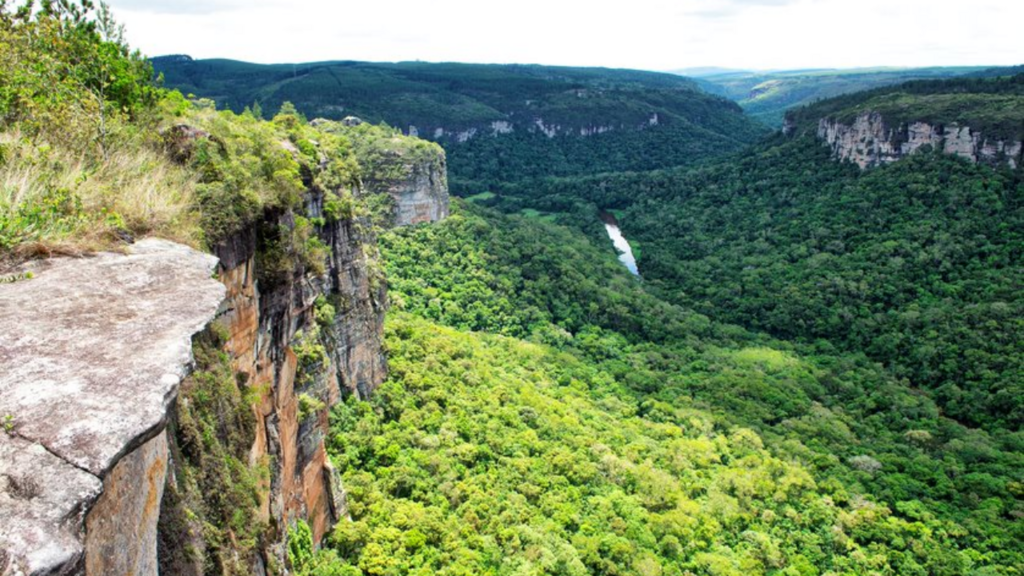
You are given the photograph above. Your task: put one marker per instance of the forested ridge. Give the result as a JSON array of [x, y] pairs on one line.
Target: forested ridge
[[768, 96], [498, 123], [991, 105]]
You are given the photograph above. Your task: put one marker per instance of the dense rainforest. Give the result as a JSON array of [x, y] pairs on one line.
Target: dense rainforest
[[497, 122], [819, 373], [547, 414], [863, 326]]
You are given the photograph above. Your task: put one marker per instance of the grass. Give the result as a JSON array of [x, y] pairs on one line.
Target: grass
[[481, 197], [537, 215], [53, 201]]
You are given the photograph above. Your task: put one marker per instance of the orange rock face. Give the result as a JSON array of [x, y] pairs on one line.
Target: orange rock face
[[120, 529], [263, 324]]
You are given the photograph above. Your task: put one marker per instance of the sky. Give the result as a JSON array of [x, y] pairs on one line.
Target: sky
[[642, 34]]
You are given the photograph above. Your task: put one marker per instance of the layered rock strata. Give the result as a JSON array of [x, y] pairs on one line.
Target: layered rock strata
[[870, 141]]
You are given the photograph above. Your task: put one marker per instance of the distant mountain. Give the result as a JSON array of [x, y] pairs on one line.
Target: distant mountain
[[497, 122], [767, 95]]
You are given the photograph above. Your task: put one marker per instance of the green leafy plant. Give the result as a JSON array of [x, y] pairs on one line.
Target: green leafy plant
[[308, 406]]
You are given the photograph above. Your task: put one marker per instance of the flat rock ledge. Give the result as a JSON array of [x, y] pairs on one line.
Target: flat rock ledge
[[93, 350]]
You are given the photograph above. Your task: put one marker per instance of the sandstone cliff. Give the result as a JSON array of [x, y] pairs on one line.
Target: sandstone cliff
[[300, 342], [93, 353], [119, 461], [870, 141], [411, 173], [419, 190]]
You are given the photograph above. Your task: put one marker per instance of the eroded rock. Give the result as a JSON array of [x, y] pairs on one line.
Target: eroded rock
[[93, 351], [420, 192], [870, 141]]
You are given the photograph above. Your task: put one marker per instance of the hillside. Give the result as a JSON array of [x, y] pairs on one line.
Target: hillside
[[913, 263], [993, 106], [606, 431], [497, 122], [767, 96]]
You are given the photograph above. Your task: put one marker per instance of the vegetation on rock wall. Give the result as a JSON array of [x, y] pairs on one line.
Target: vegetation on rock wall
[[209, 522]]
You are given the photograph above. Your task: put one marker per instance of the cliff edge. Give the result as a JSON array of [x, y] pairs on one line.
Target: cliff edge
[[94, 350], [978, 119], [869, 141]]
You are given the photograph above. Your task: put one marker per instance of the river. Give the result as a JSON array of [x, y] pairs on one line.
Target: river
[[611, 225]]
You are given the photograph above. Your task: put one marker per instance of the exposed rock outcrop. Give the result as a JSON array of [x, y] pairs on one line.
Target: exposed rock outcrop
[[100, 465], [418, 185], [551, 129], [870, 141], [93, 352]]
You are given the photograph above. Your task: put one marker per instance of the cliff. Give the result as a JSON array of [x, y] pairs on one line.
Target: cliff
[[411, 173], [299, 343], [870, 141], [93, 353], [419, 190], [980, 119], [538, 124], [128, 457]]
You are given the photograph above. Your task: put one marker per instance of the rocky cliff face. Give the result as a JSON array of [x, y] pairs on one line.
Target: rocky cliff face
[[417, 183], [420, 194], [93, 352], [119, 462], [869, 141], [275, 334], [551, 129]]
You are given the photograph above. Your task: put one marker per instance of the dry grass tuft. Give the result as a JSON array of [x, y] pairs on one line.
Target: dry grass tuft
[[57, 202]]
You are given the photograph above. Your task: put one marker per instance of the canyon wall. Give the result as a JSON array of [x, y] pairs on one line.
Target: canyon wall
[[420, 192], [870, 141], [123, 456], [93, 351], [549, 128]]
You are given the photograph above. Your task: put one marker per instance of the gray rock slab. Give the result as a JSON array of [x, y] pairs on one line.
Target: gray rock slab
[[93, 349], [42, 500]]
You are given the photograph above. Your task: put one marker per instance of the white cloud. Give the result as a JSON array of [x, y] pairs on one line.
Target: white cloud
[[649, 34], [186, 6]]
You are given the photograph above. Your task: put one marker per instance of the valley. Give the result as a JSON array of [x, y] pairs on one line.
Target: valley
[[767, 96], [349, 318]]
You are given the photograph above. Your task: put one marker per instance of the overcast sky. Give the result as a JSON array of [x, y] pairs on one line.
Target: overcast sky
[[645, 34]]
